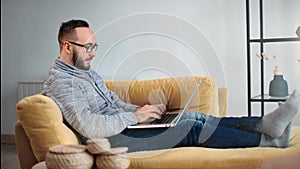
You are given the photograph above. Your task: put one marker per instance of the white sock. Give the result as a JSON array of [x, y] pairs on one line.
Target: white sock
[[281, 142], [274, 124]]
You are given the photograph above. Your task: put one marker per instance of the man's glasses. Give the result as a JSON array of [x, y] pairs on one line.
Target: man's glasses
[[88, 47]]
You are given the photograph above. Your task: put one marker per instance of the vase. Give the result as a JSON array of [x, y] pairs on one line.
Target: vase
[[278, 87], [298, 31]]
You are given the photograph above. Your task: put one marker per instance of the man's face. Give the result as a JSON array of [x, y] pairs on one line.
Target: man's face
[[80, 57], [80, 61]]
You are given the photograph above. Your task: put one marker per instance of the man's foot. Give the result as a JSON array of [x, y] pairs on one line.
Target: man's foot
[[274, 124], [281, 142]]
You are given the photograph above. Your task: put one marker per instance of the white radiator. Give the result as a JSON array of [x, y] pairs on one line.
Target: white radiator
[[28, 88]]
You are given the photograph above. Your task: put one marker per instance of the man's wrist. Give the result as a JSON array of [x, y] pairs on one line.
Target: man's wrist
[[137, 108]]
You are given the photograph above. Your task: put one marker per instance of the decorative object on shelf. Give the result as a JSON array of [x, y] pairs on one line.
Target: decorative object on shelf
[[275, 71], [278, 86], [259, 56], [298, 31], [266, 57], [263, 56]]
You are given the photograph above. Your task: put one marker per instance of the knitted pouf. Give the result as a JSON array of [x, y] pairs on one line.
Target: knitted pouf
[[98, 146], [116, 158], [69, 157]]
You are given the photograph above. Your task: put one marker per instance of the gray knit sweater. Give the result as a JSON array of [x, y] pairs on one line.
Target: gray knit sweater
[[86, 104]]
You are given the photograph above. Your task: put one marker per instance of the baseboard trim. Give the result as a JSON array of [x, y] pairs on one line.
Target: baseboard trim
[[8, 139]]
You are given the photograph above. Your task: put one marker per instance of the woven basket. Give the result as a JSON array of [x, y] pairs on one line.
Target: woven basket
[[69, 157], [112, 161], [98, 146]]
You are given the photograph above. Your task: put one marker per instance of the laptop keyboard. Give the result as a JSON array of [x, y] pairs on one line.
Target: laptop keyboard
[[166, 118]]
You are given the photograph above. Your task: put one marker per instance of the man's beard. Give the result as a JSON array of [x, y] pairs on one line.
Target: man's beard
[[79, 62]]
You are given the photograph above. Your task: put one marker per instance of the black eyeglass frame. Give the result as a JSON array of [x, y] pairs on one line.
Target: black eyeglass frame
[[88, 47]]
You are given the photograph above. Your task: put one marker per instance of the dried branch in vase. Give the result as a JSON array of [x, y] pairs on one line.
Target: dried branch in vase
[[259, 56], [275, 71], [265, 56]]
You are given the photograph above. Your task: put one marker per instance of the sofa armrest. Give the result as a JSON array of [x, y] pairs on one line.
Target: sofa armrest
[[223, 101], [25, 154]]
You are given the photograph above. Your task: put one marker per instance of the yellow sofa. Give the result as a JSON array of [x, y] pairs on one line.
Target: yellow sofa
[[41, 126]]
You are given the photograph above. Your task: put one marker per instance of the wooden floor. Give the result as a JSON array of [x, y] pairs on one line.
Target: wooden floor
[[9, 156]]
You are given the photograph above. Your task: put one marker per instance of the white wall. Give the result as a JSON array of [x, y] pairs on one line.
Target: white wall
[[143, 40]]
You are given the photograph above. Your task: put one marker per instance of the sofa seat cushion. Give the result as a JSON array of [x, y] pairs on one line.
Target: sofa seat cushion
[[209, 158], [43, 124]]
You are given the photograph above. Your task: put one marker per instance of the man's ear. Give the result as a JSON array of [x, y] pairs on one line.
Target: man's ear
[[67, 48]]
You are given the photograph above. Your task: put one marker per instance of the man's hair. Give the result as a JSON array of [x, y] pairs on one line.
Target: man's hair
[[67, 30]]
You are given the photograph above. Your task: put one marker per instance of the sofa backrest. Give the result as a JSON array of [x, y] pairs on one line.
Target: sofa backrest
[[173, 92]]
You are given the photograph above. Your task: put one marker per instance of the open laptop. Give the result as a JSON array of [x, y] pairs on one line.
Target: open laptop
[[169, 119]]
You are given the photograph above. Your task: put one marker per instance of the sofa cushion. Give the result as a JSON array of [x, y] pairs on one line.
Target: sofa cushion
[[213, 158], [173, 92], [43, 123]]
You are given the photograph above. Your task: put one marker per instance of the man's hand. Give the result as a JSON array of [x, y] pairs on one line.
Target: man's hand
[[149, 111]]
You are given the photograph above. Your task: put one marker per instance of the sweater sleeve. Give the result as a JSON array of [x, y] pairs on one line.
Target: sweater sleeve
[[113, 96], [76, 110]]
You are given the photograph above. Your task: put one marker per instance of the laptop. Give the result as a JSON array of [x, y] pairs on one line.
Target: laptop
[[169, 119]]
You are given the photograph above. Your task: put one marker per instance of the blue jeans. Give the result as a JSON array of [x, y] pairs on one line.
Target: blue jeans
[[194, 129]]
